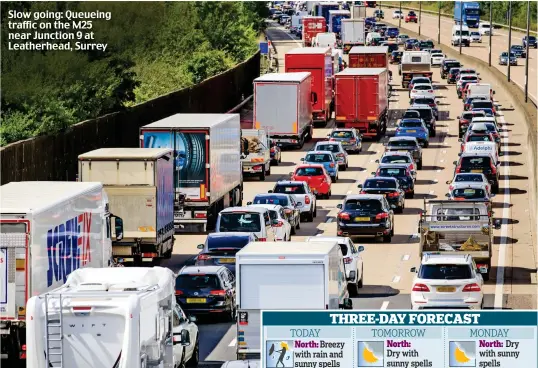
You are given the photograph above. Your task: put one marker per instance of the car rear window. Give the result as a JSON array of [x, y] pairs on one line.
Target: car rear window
[[269, 199], [445, 272], [328, 147], [482, 104], [323, 157], [424, 101], [375, 183], [342, 134], [411, 114], [411, 124], [198, 281], [427, 44], [227, 242], [391, 171], [472, 177], [309, 171], [422, 87], [290, 189], [240, 221], [479, 138], [452, 65], [395, 159], [420, 80], [469, 193], [368, 205], [476, 162], [403, 143], [425, 114]]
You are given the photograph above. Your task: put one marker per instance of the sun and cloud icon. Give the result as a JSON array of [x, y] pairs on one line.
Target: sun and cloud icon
[[371, 353], [462, 354]]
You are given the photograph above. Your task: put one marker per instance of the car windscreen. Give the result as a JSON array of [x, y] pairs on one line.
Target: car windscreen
[[468, 177], [198, 281], [411, 124], [328, 147], [385, 171], [445, 272], [240, 221], [341, 134], [290, 189], [220, 242], [309, 171], [271, 199], [379, 183], [426, 44], [479, 138], [452, 64], [482, 104], [400, 159], [366, 205], [318, 157], [403, 143], [476, 162], [469, 193]]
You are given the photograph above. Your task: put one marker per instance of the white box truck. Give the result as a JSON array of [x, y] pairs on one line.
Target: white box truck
[[480, 89], [48, 230], [283, 107], [111, 317], [207, 165], [358, 11], [255, 153], [139, 183], [353, 31], [284, 275]]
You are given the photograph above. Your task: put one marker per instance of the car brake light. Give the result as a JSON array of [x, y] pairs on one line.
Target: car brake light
[[179, 292], [430, 91], [421, 287], [332, 164], [381, 216], [493, 168], [363, 192], [348, 260], [458, 169], [332, 139], [352, 140], [307, 200], [340, 154], [217, 292], [414, 90], [393, 194], [200, 215], [262, 239], [459, 198], [471, 287], [344, 216], [203, 257]]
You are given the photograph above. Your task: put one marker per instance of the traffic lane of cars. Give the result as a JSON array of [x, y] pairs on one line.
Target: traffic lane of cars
[[499, 44]]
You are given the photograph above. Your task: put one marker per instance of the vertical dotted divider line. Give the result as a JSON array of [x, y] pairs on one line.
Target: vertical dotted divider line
[[444, 346], [354, 346]]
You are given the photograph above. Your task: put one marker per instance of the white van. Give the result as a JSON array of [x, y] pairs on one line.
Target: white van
[[483, 147], [480, 89], [464, 37], [327, 39], [246, 219], [485, 29], [371, 36]]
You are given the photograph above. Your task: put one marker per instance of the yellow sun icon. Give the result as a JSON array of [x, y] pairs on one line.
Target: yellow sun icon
[[369, 356]]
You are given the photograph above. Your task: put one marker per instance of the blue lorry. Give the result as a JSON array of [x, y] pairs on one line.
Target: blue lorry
[[468, 12], [322, 9], [335, 20]]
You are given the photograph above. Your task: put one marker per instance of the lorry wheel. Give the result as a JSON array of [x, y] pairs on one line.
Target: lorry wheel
[[262, 176]]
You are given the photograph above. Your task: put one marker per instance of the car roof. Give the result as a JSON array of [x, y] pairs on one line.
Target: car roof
[[320, 238], [272, 207], [393, 165], [229, 234], [300, 166], [364, 196], [446, 259], [396, 153], [468, 174], [271, 194], [243, 209], [411, 120], [419, 107], [422, 84], [329, 142], [388, 178], [210, 270]]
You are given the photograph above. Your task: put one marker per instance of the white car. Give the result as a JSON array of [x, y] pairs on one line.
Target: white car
[[400, 40], [278, 220], [246, 219], [422, 90], [437, 59], [186, 345], [469, 178], [475, 192], [476, 37], [352, 260], [466, 77], [485, 29], [338, 149], [447, 281], [397, 14], [300, 190]]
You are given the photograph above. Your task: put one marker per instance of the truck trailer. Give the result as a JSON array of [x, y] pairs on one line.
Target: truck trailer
[[115, 317], [283, 107], [362, 100], [415, 64], [369, 57], [468, 12], [335, 20], [139, 183], [283, 276], [323, 8], [207, 165], [318, 62], [49, 229], [353, 33], [358, 12], [311, 27]]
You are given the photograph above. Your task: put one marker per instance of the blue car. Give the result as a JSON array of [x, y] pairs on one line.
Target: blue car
[[488, 112], [532, 42], [519, 51], [414, 128], [409, 44], [325, 158], [370, 21], [392, 32]]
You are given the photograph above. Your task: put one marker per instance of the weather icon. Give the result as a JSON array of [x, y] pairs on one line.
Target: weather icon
[[278, 354], [462, 354], [371, 353]]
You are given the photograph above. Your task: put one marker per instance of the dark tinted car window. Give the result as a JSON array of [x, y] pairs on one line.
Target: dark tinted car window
[[395, 159], [227, 242], [309, 171], [482, 104], [328, 147], [403, 143], [411, 114], [470, 115], [411, 124], [290, 189], [479, 138], [323, 157], [197, 282], [392, 172], [374, 183], [479, 162], [271, 199], [244, 221], [444, 272], [469, 193], [369, 205], [423, 101], [273, 215], [477, 178], [422, 87], [425, 114]]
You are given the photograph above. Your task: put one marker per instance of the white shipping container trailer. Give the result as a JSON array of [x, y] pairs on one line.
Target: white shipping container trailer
[[353, 33], [296, 275], [102, 318], [358, 11], [283, 107], [139, 183], [48, 230], [207, 165]]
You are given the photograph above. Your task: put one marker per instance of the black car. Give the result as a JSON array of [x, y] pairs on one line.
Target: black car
[[401, 173], [410, 43], [452, 75], [396, 57], [448, 64], [392, 47], [389, 187], [206, 290], [219, 249], [423, 45], [479, 163], [421, 100], [532, 42], [519, 51], [366, 215]]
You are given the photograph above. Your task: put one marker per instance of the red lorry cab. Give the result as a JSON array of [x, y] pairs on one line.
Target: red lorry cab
[[361, 100], [369, 57], [311, 27], [319, 62]]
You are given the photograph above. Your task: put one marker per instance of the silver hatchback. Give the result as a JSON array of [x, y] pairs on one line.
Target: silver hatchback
[[351, 139]]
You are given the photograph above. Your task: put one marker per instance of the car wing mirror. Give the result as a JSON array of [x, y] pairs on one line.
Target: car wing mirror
[[497, 224], [200, 246], [249, 203], [448, 181], [361, 248], [447, 195], [339, 206], [455, 162], [359, 186], [118, 228], [413, 269]]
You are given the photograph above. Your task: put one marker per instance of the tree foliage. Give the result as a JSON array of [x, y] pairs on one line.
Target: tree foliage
[[154, 48]]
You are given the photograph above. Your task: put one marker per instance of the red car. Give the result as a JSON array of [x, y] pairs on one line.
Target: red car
[[317, 178], [411, 17], [473, 137]]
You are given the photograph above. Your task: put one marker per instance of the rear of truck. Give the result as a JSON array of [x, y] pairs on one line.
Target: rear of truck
[[255, 153], [462, 227], [369, 57], [319, 63], [353, 33], [361, 100], [140, 186], [415, 64], [311, 27]]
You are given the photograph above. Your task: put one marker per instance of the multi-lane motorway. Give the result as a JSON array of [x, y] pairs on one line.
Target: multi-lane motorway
[[387, 276]]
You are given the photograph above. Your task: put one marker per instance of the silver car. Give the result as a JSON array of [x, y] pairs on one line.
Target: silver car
[[351, 139], [338, 149]]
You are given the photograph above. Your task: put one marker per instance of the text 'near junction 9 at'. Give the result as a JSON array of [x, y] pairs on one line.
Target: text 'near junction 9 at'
[[382, 156]]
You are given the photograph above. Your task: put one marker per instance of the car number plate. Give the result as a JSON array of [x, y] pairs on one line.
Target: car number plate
[[446, 289], [179, 214], [476, 171], [227, 260], [362, 218], [412, 131], [196, 300]]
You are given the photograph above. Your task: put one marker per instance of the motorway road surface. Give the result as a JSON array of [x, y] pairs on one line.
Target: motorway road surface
[[387, 276], [499, 44]]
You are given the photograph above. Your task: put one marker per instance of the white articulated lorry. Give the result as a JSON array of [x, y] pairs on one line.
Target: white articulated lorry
[[255, 152], [48, 230], [139, 183], [111, 317], [296, 275], [207, 165]]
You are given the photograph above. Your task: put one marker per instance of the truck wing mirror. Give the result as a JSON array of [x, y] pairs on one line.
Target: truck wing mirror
[[455, 162], [291, 174], [249, 203], [118, 228]]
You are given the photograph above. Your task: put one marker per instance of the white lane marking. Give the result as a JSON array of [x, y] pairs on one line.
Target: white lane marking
[[498, 304], [329, 220], [442, 161], [435, 181], [431, 192], [396, 279], [444, 151], [405, 258], [384, 305], [349, 192], [234, 341]]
